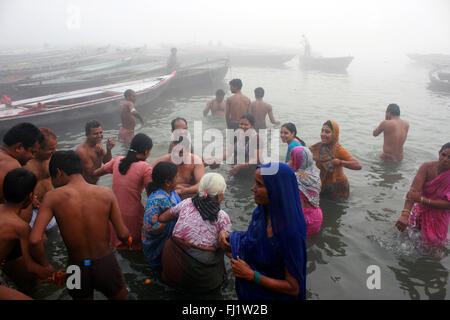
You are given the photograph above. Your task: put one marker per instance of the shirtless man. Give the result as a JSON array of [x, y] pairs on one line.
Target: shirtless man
[[83, 212], [20, 144], [127, 114], [91, 151], [39, 166], [217, 105], [14, 232], [259, 109], [395, 131], [236, 105], [190, 170]]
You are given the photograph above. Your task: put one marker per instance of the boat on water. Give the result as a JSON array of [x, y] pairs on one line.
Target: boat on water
[[81, 104], [336, 64], [440, 80], [201, 73], [308, 61]]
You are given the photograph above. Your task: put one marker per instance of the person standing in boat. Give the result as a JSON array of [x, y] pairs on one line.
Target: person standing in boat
[[237, 105], [127, 115], [307, 52], [217, 105], [91, 151], [260, 109], [395, 131], [172, 61]]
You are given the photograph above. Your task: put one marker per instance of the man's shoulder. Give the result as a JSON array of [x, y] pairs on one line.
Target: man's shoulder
[[9, 162]]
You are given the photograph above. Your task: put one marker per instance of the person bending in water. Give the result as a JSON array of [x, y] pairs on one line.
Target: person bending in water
[[216, 106], [395, 132], [83, 212], [236, 105], [427, 204], [91, 151], [190, 167], [14, 232], [127, 114], [260, 109]]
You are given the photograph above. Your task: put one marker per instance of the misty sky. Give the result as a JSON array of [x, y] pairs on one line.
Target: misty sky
[[332, 26]]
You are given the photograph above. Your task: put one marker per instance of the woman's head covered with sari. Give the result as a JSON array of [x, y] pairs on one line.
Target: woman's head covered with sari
[[288, 226], [323, 152], [308, 177]]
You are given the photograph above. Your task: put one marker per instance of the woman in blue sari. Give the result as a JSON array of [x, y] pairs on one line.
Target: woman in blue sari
[[269, 259]]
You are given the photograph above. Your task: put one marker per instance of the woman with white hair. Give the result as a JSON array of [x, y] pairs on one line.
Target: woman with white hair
[[192, 259]]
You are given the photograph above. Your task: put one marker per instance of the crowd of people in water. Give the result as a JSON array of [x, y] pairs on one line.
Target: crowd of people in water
[[182, 231]]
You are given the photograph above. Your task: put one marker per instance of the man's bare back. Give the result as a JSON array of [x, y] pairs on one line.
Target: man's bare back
[[395, 132], [236, 106], [83, 212], [260, 109]]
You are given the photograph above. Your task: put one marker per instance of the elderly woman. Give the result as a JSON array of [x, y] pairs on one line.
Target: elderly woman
[[427, 204], [192, 259], [331, 158], [269, 259], [309, 185]]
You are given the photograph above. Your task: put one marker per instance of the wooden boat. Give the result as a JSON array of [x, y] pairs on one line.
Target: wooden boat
[[440, 80], [336, 64], [81, 104], [200, 73]]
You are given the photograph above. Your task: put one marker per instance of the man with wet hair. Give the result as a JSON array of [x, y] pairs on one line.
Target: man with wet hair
[[91, 151], [128, 114], [395, 132], [260, 109], [14, 232], [20, 144], [83, 212], [216, 106], [237, 105]]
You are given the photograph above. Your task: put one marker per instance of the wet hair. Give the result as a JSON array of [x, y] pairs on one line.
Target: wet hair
[[25, 133], [292, 128], [127, 93], [259, 92], [393, 109], [18, 184], [445, 146], [67, 161], [237, 83], [220, 92], [162, 172], [250, 118], [175, 120], [92, 124], [48, 134], [140, 144]]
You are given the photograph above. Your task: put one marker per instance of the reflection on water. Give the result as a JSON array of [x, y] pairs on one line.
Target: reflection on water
[[415, 278]]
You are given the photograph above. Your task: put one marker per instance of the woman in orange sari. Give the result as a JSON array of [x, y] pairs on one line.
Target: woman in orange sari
[[331, 158]]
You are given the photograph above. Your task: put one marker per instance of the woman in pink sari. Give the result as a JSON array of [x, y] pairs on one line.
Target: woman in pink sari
[[427, 204], [309, 185]]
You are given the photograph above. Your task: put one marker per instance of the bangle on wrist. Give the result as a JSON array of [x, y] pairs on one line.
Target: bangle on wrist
[[408, 213], [429, 201], [257, 278]]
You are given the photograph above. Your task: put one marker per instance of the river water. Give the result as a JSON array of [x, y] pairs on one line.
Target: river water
[[354, 235]]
